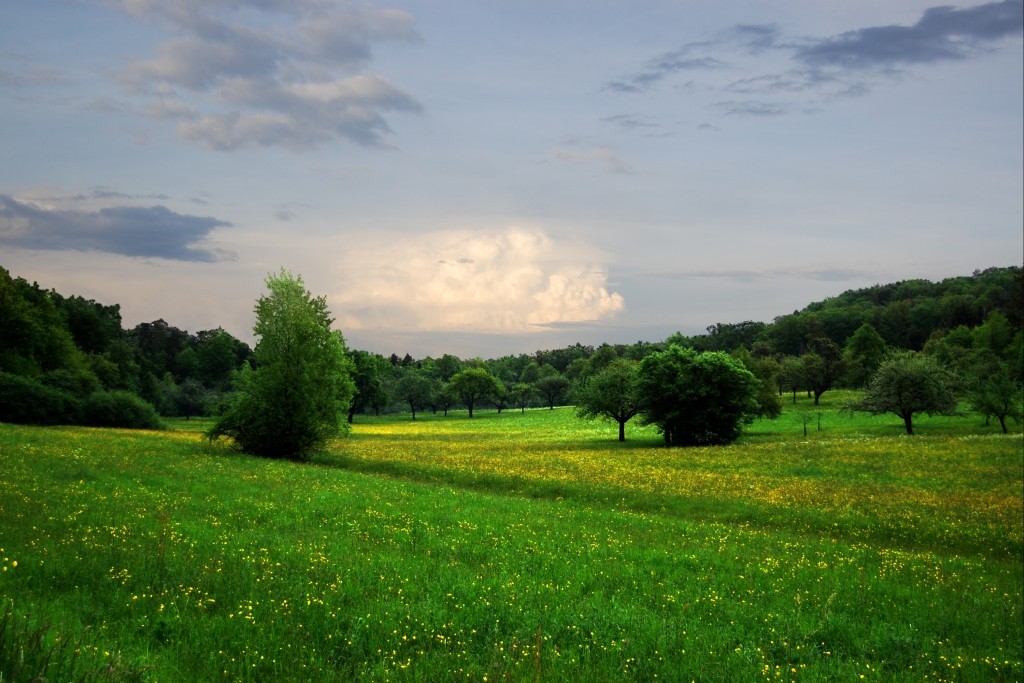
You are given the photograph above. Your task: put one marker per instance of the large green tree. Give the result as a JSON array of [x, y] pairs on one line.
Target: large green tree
[[696, 398], [908, 383], [610, 393], [295, 399], [473, 385]]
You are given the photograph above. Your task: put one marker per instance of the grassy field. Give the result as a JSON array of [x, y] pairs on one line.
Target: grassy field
[[517, 547]]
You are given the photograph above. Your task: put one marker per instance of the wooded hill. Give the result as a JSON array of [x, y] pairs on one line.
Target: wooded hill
[[61, 354]]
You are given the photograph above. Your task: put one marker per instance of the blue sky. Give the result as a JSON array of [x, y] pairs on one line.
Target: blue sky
[[484, 178]]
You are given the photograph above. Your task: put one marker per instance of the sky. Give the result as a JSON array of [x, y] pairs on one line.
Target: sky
[[498, 177]]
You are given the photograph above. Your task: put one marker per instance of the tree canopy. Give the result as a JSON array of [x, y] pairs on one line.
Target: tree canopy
[[908, 383], [696, 399], [294, 400]]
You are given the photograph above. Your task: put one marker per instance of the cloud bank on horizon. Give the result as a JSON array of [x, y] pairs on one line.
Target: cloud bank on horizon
[[672, 164]]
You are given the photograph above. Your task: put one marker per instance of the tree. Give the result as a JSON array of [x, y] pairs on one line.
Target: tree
[[610, 393], [294, 400], [551, 387], [823, 365], [521, 394], [368, 374], [909, 383], [992, 389], [696, 398], [864, 352], [473, 385], [416, 388]]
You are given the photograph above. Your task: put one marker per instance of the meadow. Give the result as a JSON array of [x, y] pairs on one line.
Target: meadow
[[517, 547]]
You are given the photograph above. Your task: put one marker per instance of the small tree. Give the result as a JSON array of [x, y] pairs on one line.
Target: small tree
[[909, 383], [696, 398], [473, 385], [992, 390], [417, 389], [551, 387], [610, 393], [295, 399], [521, 394]]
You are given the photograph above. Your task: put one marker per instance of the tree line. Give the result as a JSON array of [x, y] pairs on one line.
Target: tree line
[[60, 354]]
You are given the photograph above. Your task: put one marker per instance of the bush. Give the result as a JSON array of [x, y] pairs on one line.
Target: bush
[[26, 401], [118, 409]]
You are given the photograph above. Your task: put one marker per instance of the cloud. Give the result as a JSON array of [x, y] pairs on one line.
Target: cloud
[[153, 231], [799, 75], [942, 33], [510, 282], [663, 66], [264, 73]]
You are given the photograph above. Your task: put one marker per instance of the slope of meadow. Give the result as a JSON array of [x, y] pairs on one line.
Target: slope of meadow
[[516, 547]]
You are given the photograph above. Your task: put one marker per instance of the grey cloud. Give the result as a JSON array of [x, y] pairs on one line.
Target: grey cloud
[[821, 70], [663, 66], [230, 85], [943, 33], [750, 108], [153, 231]]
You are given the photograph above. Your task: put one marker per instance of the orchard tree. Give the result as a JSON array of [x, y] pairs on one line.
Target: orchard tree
[[610, 393], [696, 399], [295, 399], [992, 389], [550, 387], [823, 366], [909, 383], [473, 385], [416, 388]]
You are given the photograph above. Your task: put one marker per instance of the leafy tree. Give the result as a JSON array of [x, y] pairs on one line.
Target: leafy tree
[[368, 373], [473, 385], [220, 355], [864, 352], [908, 383], [792, 376], [417, 389], [993, 391], [610, 393], [521, 394], [823, 366], [766, 370], [551, 388], [696, 398], [294, 400]]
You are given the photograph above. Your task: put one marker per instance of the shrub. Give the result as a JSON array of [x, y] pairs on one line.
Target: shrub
[[118, 409], [26, 401]]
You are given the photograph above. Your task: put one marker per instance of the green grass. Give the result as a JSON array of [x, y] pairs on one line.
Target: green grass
[[516, 547]]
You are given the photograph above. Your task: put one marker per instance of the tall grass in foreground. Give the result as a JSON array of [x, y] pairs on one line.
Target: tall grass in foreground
[[515, 547]]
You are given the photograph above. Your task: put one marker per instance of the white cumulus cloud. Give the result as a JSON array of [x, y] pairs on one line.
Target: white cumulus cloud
[[517, 280]]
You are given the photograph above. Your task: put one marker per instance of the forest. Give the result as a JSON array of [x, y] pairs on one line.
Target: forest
[[66, 359]]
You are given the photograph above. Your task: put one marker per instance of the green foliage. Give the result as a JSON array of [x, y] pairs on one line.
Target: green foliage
[[23, 400], [294, 400], [610, 393], [993, 391], [551, 386], [117, 409], [864, 352], [472, 385], [908, 383], [696, 398], [417, 389]]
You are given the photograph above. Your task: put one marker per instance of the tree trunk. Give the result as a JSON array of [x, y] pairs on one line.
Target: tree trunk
[[907, 422], [622, 430], [1002, 423]]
